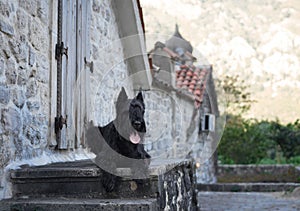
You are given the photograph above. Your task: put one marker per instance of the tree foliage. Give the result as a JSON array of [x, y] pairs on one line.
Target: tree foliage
[[247, 141], [287, 137], [252, 141], [238, 98]]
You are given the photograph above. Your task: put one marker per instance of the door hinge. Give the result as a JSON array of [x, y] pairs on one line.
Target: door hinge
[[89, 64], [60, 122], [60, 50]]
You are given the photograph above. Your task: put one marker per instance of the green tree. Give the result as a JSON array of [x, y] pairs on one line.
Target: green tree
[[242, 142], [287, 137]]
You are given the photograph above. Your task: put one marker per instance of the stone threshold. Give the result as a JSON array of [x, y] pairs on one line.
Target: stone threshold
[[78, 204]]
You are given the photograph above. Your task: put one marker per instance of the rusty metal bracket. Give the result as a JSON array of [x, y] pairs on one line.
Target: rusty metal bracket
[[60, 50], [90, 64], [60, 122]]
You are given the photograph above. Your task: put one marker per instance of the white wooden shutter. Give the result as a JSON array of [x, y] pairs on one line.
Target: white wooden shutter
[[68, 72], [83, 70], [76, 22]]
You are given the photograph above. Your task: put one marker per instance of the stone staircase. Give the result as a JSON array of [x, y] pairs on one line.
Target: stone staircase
[[77, 186]]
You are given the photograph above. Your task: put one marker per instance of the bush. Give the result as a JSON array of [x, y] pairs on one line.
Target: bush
[[259, 142], [287, 137], [294, 160], [243, 142]]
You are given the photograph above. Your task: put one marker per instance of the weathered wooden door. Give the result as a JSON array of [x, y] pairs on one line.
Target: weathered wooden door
[[75, 72]]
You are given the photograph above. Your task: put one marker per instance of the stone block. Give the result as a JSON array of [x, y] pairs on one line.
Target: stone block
[[4, 157], [4, 9], [18, 97], [11, 119], [30, 6], [4, 46], [42, 74], [6, 28], [22, 21], [34, 127], [42, 10], [33, 135], [38, 35], [2, 66], [33, 105], [19, 49], [22, 76], [31, 59], [11, 73], [107, 15], [4, 94], [19, 146], [96, 6], [31, 88]]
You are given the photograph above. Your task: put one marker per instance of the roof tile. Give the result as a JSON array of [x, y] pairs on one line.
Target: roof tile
[[192, 79]]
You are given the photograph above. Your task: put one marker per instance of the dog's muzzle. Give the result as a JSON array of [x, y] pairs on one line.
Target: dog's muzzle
[[137, 125]]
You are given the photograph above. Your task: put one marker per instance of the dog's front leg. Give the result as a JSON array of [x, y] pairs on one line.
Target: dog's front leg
[[108, 166], [108, 181], [140, 168], [142, 154]]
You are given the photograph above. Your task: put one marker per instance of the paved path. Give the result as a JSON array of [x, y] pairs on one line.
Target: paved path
[[240, 201]]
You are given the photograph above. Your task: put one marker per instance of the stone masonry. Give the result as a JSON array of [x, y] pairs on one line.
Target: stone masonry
[[111, 72], [27, 30], [24, 79]]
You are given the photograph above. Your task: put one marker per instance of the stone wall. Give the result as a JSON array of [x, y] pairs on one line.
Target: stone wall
[[170, 123], [173, 129], [24, 79], [258, 173], [110, 72], [205, 148], [177, 189]]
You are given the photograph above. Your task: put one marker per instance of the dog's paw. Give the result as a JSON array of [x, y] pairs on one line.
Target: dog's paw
[[108, 181]]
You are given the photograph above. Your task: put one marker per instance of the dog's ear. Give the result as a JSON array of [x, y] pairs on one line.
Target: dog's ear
[[140, 97], [122, 96]]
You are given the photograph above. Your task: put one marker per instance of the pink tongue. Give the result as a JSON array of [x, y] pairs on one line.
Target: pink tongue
[[134, 137]]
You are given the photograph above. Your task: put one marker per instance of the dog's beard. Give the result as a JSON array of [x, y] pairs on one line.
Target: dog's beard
[[129, 133]]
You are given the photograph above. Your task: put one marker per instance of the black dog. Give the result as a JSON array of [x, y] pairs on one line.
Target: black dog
[[121, 141]]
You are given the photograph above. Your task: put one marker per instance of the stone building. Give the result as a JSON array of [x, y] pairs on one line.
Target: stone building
[[97, 58], [191, 94], [63, 65]]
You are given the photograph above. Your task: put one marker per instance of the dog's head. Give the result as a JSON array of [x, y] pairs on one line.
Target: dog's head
[[130, 121]]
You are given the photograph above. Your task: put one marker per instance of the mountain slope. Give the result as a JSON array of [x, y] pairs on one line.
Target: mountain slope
[[257, 40]]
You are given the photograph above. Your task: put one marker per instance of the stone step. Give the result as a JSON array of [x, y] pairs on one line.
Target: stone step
[[83, 179], [171, 183], [74, 204], [248, 187]]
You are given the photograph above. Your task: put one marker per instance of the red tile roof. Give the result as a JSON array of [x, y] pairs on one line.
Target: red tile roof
[[193, 79]]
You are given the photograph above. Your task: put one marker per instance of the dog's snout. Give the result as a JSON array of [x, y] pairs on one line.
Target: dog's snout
[[137, 124]]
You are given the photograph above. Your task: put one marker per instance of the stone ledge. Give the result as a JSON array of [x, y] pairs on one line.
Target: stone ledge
[[73, 204], [86, 168], [258, 173], [248, 187]]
